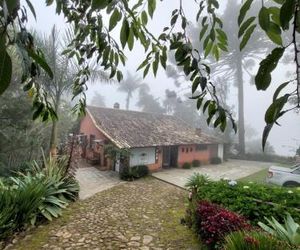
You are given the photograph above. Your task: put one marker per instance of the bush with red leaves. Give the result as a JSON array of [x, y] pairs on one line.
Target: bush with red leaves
[[213, 223]]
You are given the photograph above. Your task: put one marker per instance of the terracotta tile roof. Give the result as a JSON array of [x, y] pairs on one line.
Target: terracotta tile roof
[[128, 129]]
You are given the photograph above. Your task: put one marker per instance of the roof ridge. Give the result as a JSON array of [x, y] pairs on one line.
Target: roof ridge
[[131, 111]]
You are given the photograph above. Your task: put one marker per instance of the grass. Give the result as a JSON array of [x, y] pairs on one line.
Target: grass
[[260, 176]]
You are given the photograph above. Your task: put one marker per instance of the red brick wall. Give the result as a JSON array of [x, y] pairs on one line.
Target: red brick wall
[[203, 156]]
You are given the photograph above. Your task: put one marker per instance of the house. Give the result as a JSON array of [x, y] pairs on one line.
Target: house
[[156, 140]]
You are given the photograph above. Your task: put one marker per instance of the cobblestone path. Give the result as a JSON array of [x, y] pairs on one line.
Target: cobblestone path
[[143, 214]]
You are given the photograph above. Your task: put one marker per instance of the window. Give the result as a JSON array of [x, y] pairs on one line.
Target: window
[[187, 150], [182, 150], [92, 140], [201, 147], [297, 171], [191, 149]]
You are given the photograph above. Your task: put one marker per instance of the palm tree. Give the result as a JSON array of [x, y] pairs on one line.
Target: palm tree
[[64, 71], [129, 86], [64, 75], [235, 63]]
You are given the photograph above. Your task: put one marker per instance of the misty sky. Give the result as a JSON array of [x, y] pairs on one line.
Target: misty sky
[[284, 138]]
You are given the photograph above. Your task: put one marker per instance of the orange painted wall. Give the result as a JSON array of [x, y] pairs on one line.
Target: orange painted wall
[[203, 156], [88, 128]]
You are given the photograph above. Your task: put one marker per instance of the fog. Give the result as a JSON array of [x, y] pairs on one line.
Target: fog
[[285, 139]]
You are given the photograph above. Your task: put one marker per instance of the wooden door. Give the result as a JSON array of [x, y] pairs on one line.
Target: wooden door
[[166, 157]]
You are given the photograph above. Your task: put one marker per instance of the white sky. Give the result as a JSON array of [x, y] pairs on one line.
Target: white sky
[[284, 138]]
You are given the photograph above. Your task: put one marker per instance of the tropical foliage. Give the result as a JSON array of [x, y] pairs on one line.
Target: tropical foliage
[[93, 35], [289, 231], [253, 240], [213, 223], [254, 201], [40, 194]]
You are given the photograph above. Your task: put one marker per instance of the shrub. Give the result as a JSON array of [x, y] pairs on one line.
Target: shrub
[[252, 240], [186, 165], [249, 199], [216, 160], [124, 173], [19, 206], [196, 163], [213, 223], [135, 172], [40, 194]]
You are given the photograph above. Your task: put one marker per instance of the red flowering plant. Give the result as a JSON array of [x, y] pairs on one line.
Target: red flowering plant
[[213, 223]]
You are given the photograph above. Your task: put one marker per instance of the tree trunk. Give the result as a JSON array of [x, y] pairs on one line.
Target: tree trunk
[[53, 137], [127, 101], [241, 122]]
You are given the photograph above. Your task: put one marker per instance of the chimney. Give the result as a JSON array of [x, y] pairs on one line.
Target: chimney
[[198, 131], [116, 105]]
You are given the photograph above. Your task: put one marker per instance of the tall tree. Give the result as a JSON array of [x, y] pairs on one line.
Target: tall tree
[[236, 63], [129, 86], [94, 35], [98, 100], [64, 74], [147, 102]]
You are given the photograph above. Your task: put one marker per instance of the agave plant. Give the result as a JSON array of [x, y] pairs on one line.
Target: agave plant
[[253, 240], [289, 231]]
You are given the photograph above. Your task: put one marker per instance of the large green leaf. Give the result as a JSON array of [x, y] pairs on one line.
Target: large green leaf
[[40, 60], [151, 7], [274, 110], [114, 19], [5, 70], [265, 136], [195, 85], [245, 25], [263, 76], [243, 11], [247, 36], [264, 18], [281, 87], [274, 33], [130, 40], [144, 18], [99, 4], [124, 34], [286, 13]]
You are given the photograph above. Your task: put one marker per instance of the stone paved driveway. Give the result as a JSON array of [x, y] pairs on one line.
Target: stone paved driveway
[[231, 169], [139, 215], [92, 181]]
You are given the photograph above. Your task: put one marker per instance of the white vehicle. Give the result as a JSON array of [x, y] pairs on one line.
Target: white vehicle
[[287, 177]]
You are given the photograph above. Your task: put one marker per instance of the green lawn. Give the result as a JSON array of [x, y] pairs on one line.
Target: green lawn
[[258, 177]]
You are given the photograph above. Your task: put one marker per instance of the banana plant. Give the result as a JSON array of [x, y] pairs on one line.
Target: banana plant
[[289, 231]]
